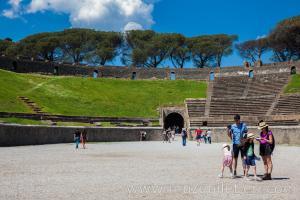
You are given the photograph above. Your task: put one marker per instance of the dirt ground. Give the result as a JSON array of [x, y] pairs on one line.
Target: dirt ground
[[139, 170]]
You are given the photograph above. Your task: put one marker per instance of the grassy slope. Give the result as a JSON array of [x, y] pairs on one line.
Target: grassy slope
[[94, 97], [23, 121], [294, 85], [13, 85]]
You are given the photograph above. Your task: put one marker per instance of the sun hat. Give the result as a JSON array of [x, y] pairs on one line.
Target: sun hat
[[225, 145], [262, 125], [250, 135]]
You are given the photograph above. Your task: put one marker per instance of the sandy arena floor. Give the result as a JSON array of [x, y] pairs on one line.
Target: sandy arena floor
[[138, 170]]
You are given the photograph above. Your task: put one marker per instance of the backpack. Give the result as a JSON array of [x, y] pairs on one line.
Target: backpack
[[272, 146], [183, 134]]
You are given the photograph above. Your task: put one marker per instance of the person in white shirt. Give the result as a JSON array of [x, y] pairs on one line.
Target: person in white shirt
[[208, 135], [227, 160]]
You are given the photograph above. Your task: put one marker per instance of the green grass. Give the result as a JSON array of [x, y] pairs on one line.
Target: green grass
[[107, 124], [13, 120], [95, 97], [73, 124], [294, 85]]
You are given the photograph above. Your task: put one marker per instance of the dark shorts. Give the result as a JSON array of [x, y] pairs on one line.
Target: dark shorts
[[236, 149], [198, 137], [250, 160], [265, 150]]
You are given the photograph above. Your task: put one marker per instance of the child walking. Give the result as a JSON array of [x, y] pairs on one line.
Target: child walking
[[249, 156], [227, 160]]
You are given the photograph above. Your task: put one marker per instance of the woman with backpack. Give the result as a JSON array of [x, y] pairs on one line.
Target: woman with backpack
[[267, 144]]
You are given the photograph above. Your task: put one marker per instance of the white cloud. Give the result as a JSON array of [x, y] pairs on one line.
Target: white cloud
[[261, 37], [114, 15], [13, 12], [132, 26]]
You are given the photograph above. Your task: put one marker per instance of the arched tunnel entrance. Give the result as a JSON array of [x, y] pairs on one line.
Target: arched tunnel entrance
[[173, 120]]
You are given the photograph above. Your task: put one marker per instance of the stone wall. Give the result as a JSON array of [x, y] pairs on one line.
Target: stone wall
[[14, 135], [283, 134], [31, 66]]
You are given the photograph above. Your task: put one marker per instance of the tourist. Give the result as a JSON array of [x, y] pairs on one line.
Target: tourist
[[173, 134], [164, 134], [198, 133], [77, 137], [184, 136], [237, 132], [169, 135], [208, 135], [143, 135], [177, 130], [227, 160], [204, 136], [267, 144], [249, 156], [84, 138]]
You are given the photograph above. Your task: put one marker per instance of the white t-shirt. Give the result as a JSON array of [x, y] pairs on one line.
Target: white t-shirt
[[226, 151], [208, 133]]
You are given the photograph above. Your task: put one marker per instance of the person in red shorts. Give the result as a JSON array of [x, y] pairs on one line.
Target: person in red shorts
[[198, 133]]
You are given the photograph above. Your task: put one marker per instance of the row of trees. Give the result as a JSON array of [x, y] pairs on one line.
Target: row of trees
[[149, 49], [139, 48], [283, 41], [72, 45]]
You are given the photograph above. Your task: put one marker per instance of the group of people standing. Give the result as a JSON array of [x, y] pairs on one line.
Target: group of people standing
[[199, 135], [80, 136], [202, 135], [169, 134], [243, 143]]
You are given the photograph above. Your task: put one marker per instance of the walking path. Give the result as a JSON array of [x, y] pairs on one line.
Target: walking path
[[138, 170]]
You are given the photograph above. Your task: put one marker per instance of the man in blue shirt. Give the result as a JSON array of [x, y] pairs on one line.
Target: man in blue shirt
[[236, 132]]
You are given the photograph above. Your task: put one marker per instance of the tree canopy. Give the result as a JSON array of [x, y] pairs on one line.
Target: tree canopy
[[147, 48], [283, 41], [252, 50]]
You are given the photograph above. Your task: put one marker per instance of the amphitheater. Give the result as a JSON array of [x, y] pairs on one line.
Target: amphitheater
[[256, 92], [40, 162]]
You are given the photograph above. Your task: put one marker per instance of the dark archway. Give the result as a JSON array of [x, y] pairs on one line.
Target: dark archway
[[55, 71], [293, 70], [174, 119], [133, 76], [14, 66]]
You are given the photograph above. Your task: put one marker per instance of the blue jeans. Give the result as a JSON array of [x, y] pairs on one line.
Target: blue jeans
[[183, 141], [77, 141], [209, 140]]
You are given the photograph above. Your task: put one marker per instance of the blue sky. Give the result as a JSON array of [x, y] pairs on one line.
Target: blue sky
[[247, 19]]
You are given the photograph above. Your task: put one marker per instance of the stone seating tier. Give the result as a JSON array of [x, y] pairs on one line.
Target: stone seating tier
[[287, 105], [252, 106], [199, 123], [196, 107]]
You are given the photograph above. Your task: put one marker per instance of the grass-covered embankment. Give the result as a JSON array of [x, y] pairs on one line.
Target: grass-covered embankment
[[294, 85], [94, 97]]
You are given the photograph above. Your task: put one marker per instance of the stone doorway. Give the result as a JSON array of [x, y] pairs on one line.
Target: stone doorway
[[173, 120]]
